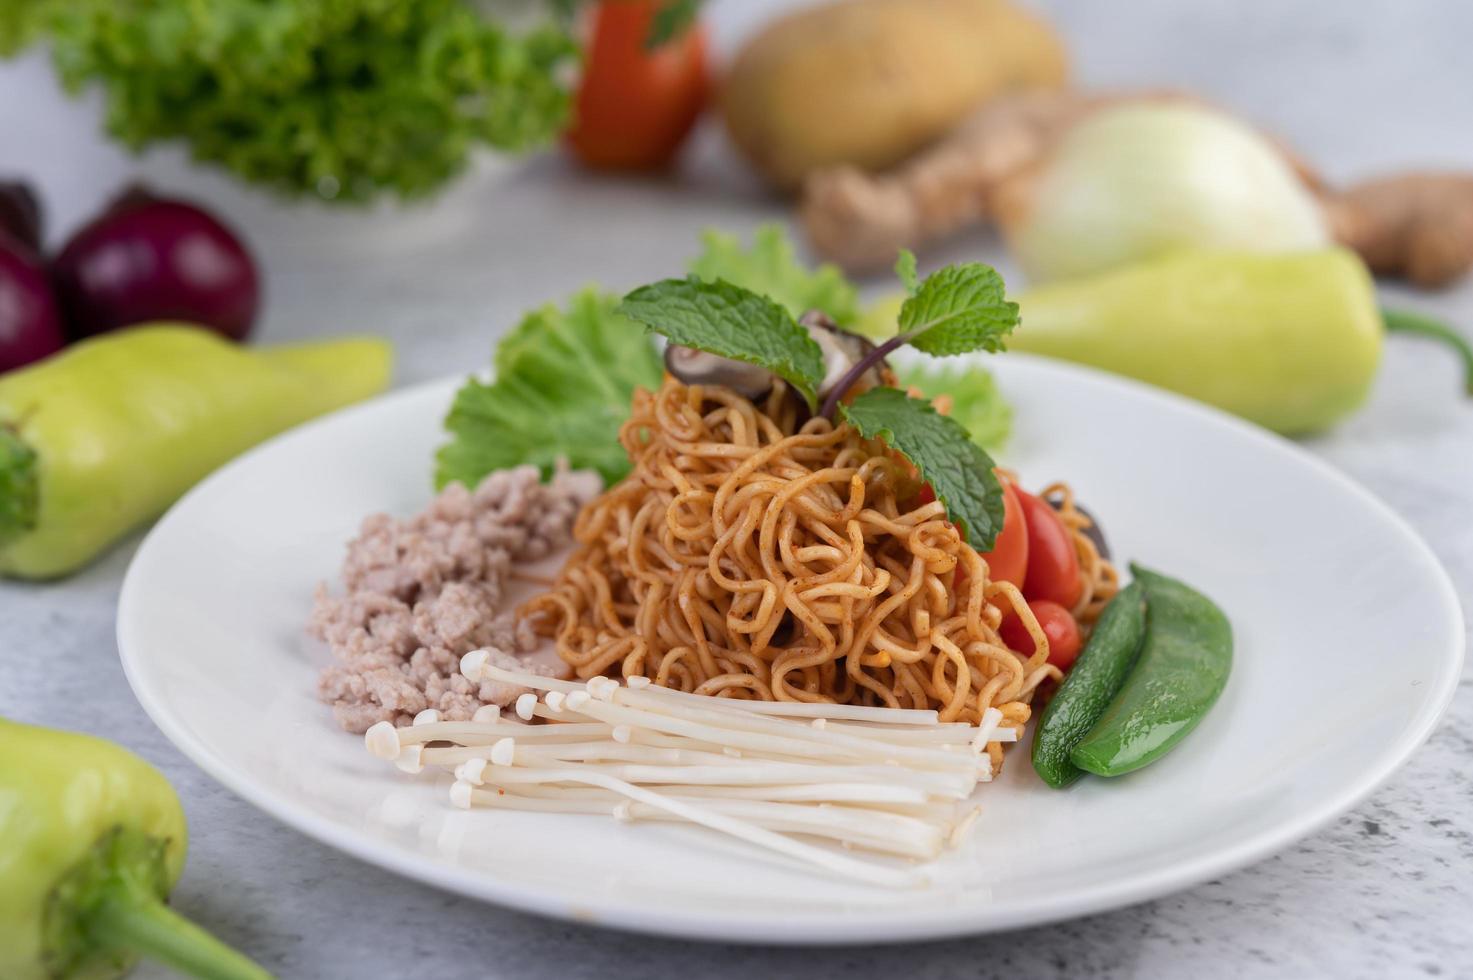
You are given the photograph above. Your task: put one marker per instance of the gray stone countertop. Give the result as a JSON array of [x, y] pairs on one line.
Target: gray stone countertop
[[1385, 891]]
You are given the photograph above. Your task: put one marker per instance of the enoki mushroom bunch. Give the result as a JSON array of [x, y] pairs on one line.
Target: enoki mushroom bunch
[[889, 781], [755, 552]]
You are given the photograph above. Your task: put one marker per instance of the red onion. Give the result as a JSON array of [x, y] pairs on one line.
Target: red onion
[[147, 259], [30, 324], [20, 213]]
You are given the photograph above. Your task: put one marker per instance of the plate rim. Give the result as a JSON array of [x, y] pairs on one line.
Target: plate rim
[[853, 926]]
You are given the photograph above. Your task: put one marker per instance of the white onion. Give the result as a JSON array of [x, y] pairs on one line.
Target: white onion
[[1132, 182]]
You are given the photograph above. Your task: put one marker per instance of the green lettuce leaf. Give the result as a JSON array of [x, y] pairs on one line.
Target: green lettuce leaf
[[771, 268], [564, 380], [957, 468], [976, 401]]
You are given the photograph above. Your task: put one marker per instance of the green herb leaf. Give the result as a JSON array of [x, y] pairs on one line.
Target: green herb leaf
[[958, 309], [947, 458], [564, 380], [672, 19], [720, 318], [905, 269], [976, 401], [771, 268]]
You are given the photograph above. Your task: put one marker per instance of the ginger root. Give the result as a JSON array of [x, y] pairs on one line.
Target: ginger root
[[861, 220], [1416, 226]]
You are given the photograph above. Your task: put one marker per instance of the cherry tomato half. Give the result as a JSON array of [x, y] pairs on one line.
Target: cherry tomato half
[[1008, 560], [1053, 565], [1058, 624], [634, 105]]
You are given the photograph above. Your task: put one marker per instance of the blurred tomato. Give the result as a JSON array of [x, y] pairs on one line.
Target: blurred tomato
[[636, 105]]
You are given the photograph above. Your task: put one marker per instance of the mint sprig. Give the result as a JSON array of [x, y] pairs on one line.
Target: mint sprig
[[729, 321], [957, 469], [955, 310], [905, 271]]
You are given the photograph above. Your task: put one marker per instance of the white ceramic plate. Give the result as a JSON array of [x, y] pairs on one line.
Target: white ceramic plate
[[1349, 645]]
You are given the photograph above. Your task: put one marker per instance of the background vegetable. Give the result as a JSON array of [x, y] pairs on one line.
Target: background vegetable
[[1291, 342], [869, 82], [635, 103], [1415, 225], [1133, 181], [30, 322], [107, 434], [148, 258], [92, 840], [344, 100], [20, 214], [1183, 667]]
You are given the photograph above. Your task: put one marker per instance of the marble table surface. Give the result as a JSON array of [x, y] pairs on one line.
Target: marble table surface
[[1386, 890]]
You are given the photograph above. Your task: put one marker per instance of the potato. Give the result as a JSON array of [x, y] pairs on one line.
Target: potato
[[869, 82]]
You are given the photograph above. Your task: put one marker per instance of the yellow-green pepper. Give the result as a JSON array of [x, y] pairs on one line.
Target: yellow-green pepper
[[92, 840], [1290, 341], [105, 435]]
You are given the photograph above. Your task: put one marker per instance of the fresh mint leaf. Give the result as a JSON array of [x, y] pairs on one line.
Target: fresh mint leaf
[[724, 319], [958, 309], [771, 267], [957, 469], [905, 269], [564, 380], [976, 401]]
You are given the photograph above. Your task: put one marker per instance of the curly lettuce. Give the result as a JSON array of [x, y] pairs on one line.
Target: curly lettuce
[[342, 99], [564, 381], [975, 399], [769, 267]]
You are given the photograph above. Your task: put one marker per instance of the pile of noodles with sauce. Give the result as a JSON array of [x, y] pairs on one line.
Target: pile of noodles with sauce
[[758, 551]]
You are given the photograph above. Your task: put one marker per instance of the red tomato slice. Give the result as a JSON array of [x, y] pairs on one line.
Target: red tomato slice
[[635, 106], [1058, 624], [1008, 560], [1053, 565]]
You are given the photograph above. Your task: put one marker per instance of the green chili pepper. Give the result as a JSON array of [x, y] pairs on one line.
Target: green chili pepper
[[1091, 683], [92, 839], [1291, 342], [105, 435], [1183, 667]]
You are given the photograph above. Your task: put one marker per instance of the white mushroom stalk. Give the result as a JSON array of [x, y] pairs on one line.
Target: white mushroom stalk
[[792, 779]]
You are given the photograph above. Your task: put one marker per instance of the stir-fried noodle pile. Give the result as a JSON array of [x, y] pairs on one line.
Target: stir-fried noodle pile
[[756, 552]]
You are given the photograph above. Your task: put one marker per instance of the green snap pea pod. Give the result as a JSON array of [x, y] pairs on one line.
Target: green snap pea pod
[[1101, 668], [92, 839], [1183, 667]]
